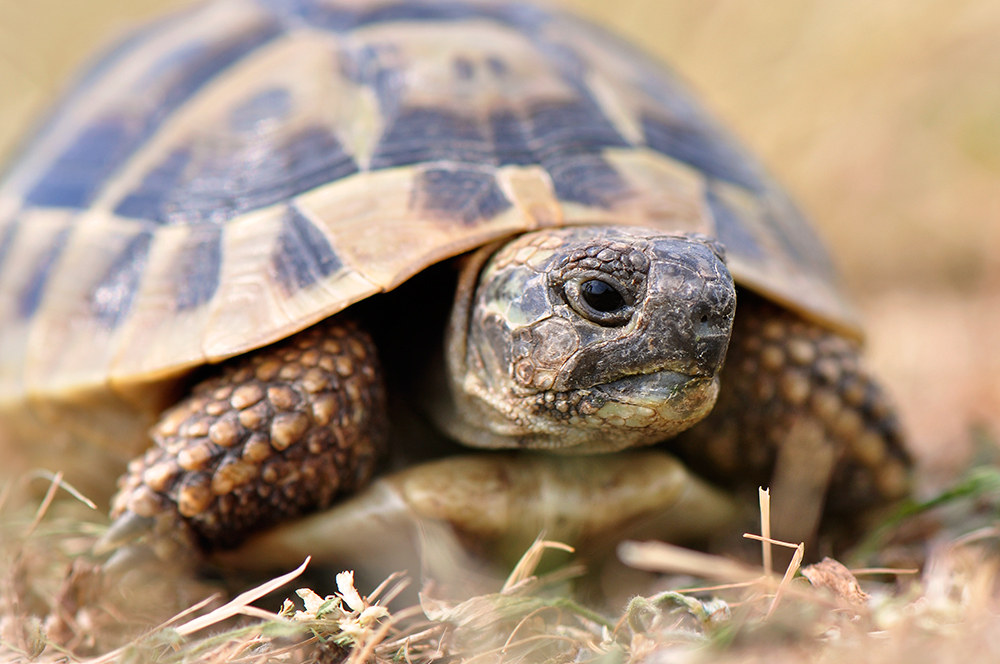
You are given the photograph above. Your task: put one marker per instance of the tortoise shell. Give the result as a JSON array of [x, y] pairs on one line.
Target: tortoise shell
[[235, 173]]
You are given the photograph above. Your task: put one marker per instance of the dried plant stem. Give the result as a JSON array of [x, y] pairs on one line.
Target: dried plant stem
[[764, 496]]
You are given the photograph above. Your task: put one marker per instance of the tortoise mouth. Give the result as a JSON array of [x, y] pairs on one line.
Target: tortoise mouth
[[674, 395], [639, 409]]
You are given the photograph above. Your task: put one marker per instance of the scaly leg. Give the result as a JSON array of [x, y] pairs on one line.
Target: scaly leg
[[274, 434], [797, 412]]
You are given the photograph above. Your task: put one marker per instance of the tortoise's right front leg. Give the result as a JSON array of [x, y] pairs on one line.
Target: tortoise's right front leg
[[798, 412], [276, 433]]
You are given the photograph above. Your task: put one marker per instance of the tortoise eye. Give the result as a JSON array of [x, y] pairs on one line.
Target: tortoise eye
[[601, 296], [599, 300]]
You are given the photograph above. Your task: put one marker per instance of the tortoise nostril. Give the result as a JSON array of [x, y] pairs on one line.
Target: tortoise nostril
[[710, 321]]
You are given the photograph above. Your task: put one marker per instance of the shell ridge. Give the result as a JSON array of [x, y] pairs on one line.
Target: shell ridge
[[452, 123], [102, 148]]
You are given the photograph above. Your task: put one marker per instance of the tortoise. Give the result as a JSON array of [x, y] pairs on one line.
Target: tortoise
[[229, 219]]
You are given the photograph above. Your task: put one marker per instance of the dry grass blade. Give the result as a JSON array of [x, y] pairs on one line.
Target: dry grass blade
[[255, 612], [533, 619], [764, 496], [64, 485], [237, 605], [44, 507], [987, 532], [862, 571], [403, 584], [661, 557], [544, 639], [721, 586], [362, 654], [771, 540], [793, 567], [528, 563], [115, 654]]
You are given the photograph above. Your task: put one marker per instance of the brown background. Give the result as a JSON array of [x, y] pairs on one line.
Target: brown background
[[882, 118]]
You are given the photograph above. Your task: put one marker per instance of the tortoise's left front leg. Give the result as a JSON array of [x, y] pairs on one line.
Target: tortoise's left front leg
[[276, 433], [798, 413]]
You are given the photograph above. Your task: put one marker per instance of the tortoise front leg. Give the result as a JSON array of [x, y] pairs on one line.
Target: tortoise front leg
[[273, 434], [798, 413]]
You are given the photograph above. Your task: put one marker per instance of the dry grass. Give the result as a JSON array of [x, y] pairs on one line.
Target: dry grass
[[882, 119], [58, 604]]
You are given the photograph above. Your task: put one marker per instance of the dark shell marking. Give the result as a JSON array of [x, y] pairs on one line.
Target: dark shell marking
[[302, 255], [463, 194], [95, 154], [113, 294], [316, 126], [31, 294]]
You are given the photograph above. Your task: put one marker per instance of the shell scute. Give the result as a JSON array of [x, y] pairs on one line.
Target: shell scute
[[196, 274], [302, 255], [419, 135], [700, 148], [274, 162], [78, 171], [112, 297], [151, 199], [107, 141], [467, 195]]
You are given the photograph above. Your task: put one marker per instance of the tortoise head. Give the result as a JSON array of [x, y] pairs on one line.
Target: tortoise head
[[587, 339]]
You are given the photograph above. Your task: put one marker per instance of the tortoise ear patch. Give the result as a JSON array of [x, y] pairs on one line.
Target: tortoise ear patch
[[302, 254]]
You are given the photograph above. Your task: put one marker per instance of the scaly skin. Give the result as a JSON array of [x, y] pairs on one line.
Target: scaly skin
[[275, 434], [798, 412], [532, 365]]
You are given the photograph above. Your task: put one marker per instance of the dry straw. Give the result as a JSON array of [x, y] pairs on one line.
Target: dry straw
[[55, 605]]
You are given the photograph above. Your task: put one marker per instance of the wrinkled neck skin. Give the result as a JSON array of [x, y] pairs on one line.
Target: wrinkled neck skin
[[584, 340]]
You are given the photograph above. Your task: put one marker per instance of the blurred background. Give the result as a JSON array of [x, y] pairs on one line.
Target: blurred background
[[881, 118]]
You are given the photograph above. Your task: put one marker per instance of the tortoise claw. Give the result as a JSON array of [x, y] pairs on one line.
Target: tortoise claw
[[135, 541], [126, 529]]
